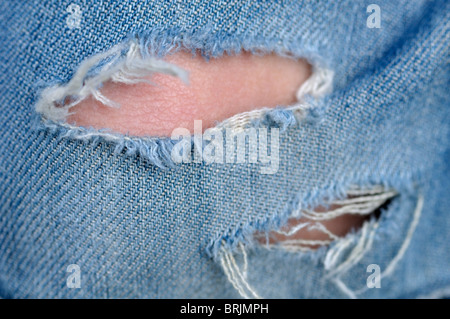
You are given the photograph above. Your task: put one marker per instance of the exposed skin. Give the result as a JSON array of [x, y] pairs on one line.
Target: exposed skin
[[339, 226], [218, 89]]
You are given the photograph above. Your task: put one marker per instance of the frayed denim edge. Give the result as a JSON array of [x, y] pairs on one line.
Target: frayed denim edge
[[156, 150], [223, 248], [244, 233], [128, 62]]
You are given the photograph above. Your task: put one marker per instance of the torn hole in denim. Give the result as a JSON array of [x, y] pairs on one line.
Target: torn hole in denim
[[310, 229], [343, 253], [125, 63], [130, 63]]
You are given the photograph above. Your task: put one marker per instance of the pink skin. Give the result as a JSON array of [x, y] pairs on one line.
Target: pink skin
[[339, 226], [218, 89]]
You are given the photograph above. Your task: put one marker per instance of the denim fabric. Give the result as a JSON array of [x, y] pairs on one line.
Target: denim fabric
[[139, 231]]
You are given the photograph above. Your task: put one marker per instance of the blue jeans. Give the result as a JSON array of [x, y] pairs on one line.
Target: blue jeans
[[91, 215]]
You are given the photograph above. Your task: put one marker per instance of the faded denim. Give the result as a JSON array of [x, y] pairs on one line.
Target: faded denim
[[139, 230]]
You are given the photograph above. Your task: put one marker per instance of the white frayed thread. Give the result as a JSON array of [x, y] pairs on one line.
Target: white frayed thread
[[331, 262], [129, 68], [317, 85], [295, 248], [294, 229], [321, 227], [294, 245], [357, 206], [334, 263], [234, 274], [361, 248], [124, 63], [359, 201], [355, 190], [391, 266], [344, 288], [86, 135], [309, 242], [417, 213]]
